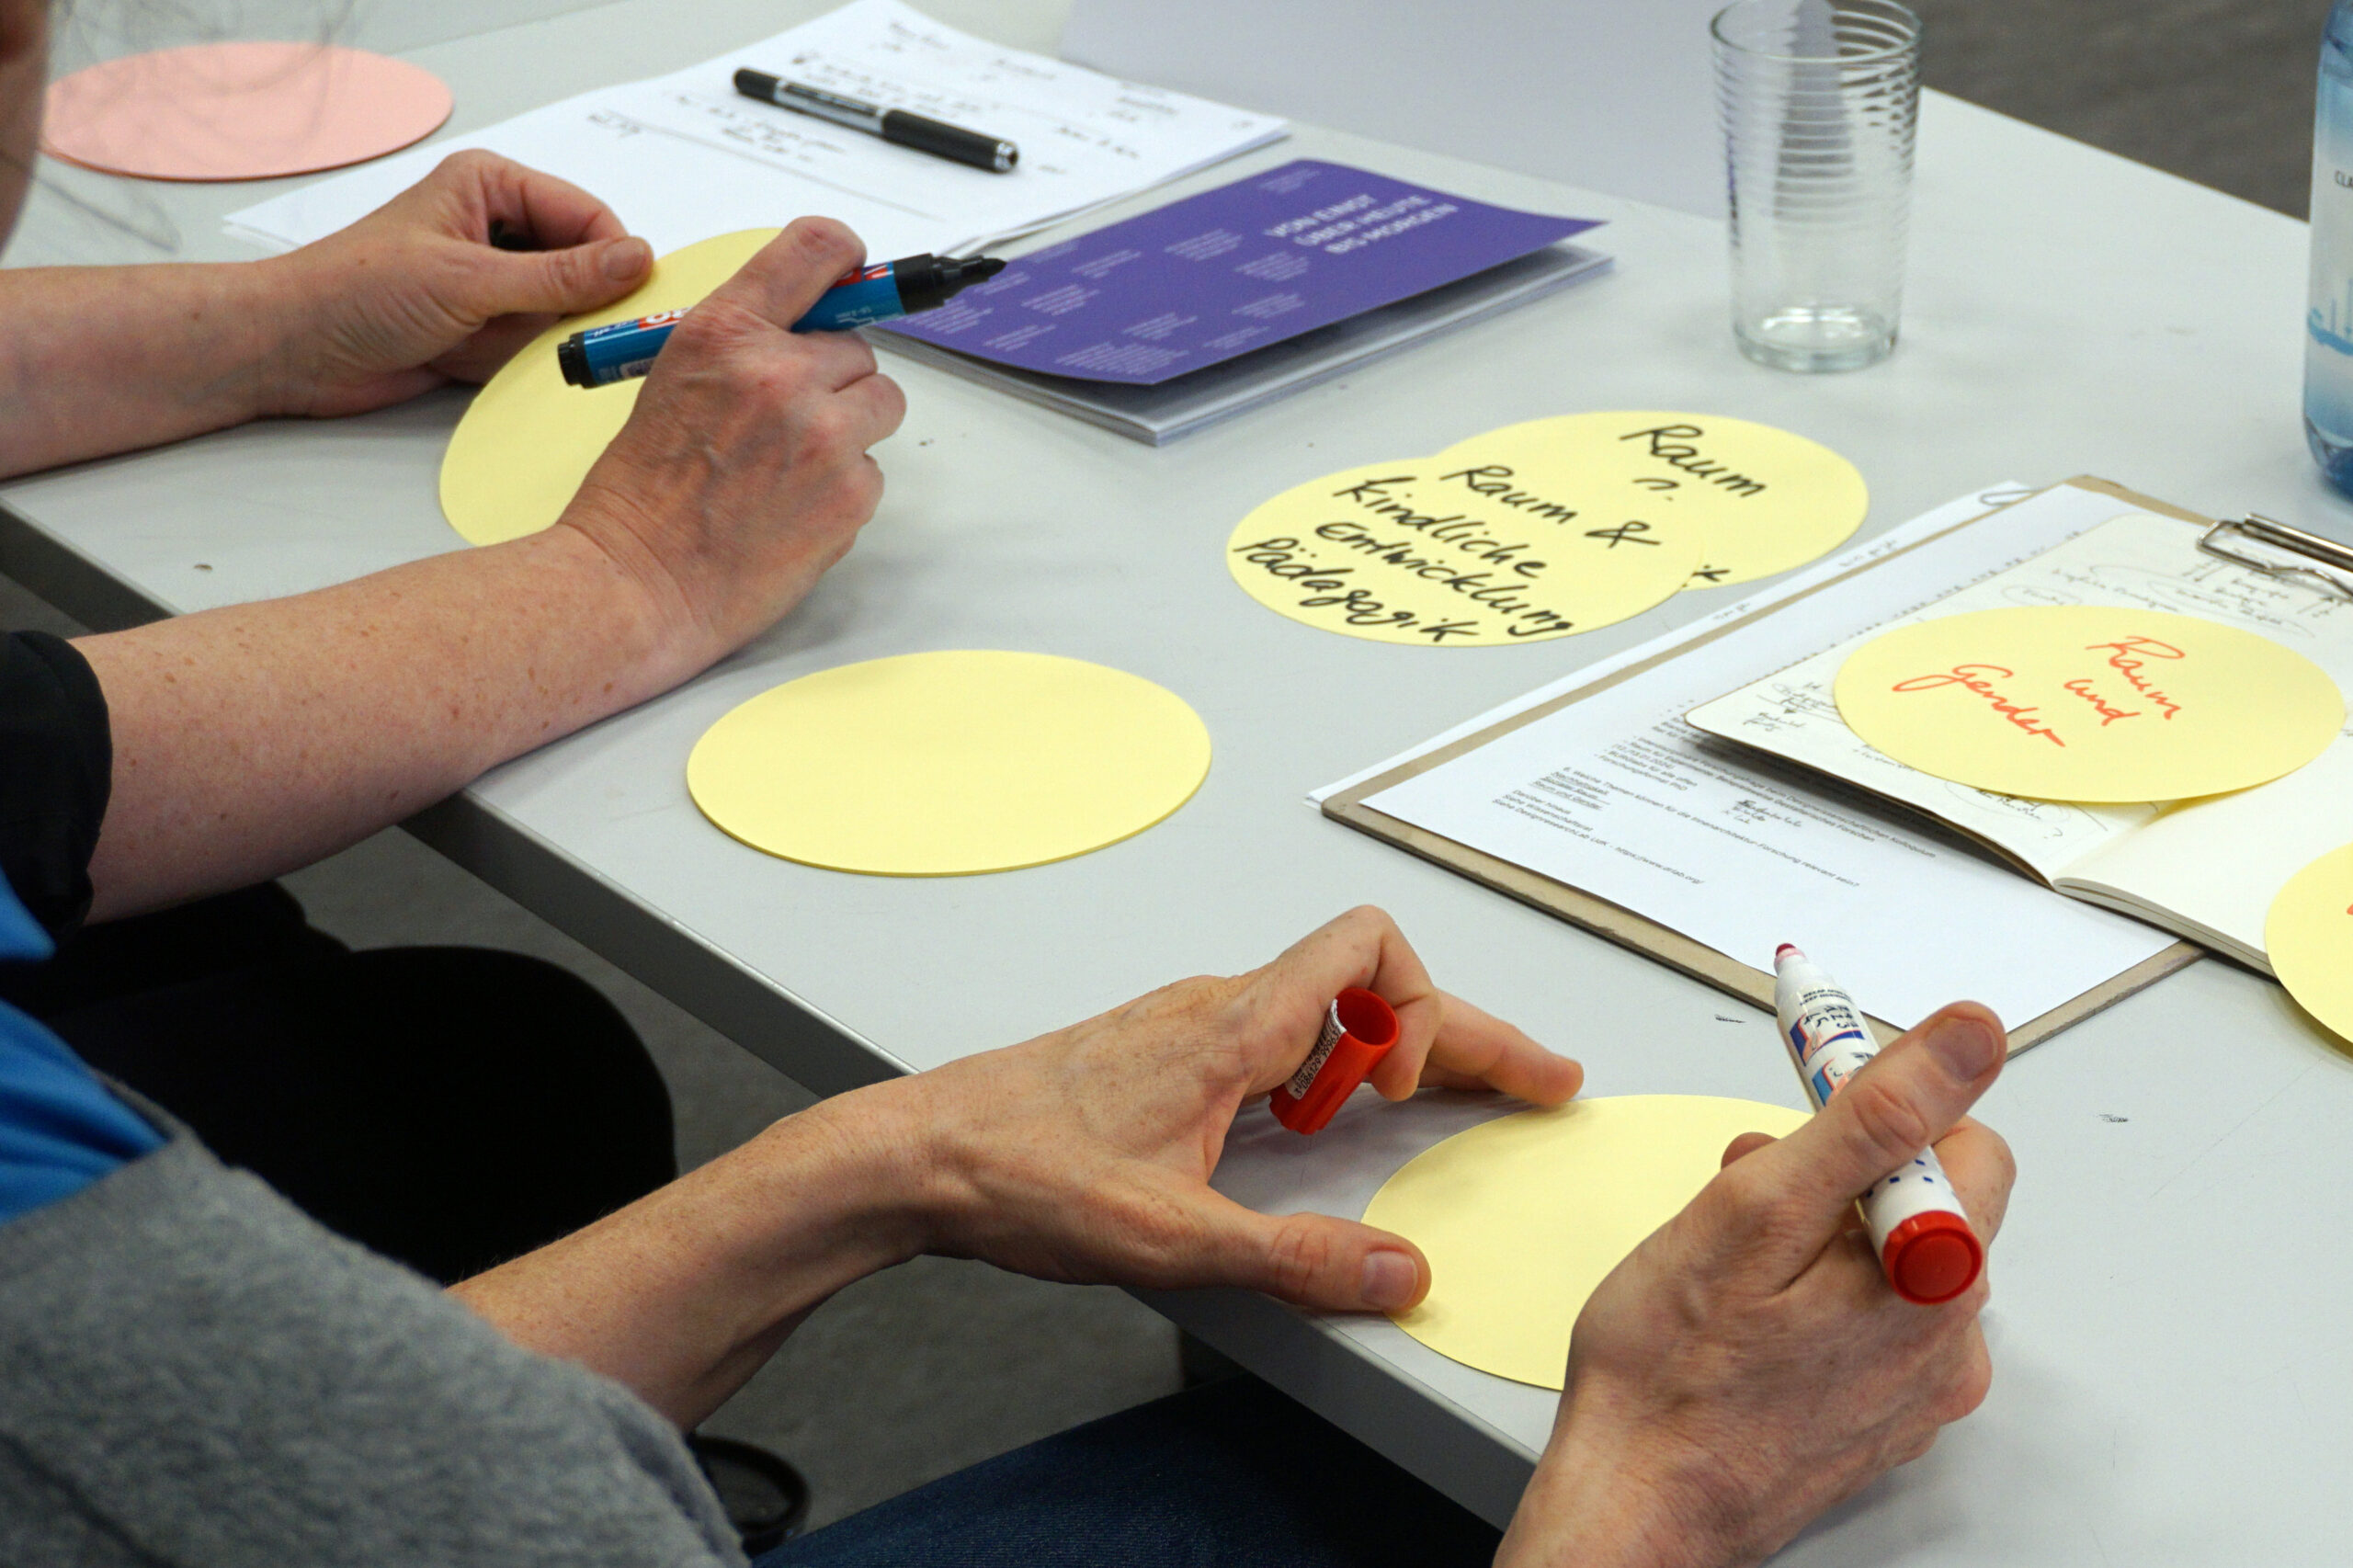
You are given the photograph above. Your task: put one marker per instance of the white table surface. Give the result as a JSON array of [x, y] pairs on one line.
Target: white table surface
[[2174, 1372]]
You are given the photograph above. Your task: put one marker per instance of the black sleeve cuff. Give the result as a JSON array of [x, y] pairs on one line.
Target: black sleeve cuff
[[56, 768]]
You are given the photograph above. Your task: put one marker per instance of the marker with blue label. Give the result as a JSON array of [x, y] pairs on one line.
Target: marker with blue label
[[1924, 1239], [603, 355]]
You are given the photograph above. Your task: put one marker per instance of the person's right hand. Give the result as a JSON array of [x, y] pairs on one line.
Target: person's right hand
[[1749, 1365], [742, 475]]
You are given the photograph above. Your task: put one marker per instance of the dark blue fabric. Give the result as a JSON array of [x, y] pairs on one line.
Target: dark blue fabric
[[56, 770], [60, 1128], [1230, 1475]]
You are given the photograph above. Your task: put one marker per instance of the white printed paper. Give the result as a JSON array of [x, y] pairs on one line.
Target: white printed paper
[[2209, 867], [1959, 509], [1617, 795], [683, 157]]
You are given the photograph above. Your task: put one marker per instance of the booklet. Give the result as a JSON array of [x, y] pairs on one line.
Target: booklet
[[2205, 869], [1161, 414], [1209, 307], [1215, 276]]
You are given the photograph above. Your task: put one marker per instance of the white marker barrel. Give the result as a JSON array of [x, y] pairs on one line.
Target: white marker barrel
[[1923, 1236]]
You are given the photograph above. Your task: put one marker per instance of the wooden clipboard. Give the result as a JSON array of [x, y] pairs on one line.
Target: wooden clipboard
[[1672, 948]]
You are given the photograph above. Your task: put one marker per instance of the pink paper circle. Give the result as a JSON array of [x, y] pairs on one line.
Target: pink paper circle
[[227, 111]]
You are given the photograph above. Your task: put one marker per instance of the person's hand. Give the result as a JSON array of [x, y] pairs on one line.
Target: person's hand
[[1085, 1155], [742, 475], [1749, 1365], [417, 293]]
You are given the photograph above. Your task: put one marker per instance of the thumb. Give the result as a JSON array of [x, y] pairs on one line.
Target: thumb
[[1310, 1260], [1901, 1102], [565, 281]]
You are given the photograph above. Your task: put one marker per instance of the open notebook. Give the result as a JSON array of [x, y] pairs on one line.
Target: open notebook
[[1594, 800], [2207, 868]]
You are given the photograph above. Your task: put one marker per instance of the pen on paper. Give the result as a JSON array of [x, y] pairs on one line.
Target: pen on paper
[[897, 126]]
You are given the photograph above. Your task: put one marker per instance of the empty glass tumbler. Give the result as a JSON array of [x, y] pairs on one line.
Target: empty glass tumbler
[[1820, 99]]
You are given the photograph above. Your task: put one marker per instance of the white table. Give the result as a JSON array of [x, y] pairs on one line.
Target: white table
[[2173, 1371]]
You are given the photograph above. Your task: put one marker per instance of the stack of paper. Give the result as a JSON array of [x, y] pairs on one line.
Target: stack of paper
[[1205, 307], [1617, 796], [683, 157]]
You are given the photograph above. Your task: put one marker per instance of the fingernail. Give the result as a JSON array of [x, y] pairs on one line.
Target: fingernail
[[1389, 1280], [1963, 1047], [626, 259]]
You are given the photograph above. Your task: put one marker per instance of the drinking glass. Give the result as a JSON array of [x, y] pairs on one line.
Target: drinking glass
[[1819, 100]]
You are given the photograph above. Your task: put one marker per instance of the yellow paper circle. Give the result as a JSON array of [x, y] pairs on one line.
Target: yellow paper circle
[[1764, 500], [2309, 938], [1524, 1217], [943, 764], [529, 440], [2090, 703], [1401, 552]]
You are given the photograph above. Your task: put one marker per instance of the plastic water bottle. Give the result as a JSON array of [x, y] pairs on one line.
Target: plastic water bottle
[[2328, 321]]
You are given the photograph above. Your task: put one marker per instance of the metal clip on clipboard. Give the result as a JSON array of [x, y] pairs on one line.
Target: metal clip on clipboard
[[2332, 565]]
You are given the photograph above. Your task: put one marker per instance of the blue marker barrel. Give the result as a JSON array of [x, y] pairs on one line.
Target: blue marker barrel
[[603, 355]]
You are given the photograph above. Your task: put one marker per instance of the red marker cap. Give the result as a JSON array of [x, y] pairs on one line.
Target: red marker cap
[[1359, 1031], [1932, 1257]]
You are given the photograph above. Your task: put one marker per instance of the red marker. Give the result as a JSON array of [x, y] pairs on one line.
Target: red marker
[[1357, 1032], [1925, 1242]]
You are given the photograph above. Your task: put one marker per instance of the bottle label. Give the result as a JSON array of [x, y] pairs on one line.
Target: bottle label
[[2329, 306]]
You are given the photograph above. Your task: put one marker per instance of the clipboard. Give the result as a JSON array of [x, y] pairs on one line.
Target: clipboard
[[2330, 562]]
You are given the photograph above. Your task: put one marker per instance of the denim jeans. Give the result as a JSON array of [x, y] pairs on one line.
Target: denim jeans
[[1229, 1475]]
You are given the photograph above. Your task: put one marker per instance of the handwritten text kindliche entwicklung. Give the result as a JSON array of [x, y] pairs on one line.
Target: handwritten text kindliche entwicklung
[[1452, 553]]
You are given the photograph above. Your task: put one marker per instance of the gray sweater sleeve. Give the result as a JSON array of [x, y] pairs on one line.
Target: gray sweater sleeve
[[192, 1372]]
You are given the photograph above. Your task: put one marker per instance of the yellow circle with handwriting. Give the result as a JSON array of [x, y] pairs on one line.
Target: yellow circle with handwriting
[[2093, 703], [948, 764], [2308, 937], [1524, 1217], [1763, 499], [1417, 552], [529, 438]]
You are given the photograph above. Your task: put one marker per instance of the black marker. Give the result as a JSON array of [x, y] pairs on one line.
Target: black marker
[[933, 136]]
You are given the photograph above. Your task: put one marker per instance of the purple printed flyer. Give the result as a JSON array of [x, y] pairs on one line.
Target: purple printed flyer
[[1230, 271]]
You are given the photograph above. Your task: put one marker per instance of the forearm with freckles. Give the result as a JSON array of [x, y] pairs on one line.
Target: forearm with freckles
[[684, 1294], [255, 739], [102, 360]]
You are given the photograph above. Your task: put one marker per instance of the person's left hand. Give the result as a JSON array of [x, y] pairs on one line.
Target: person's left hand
[[416, 294], [1085, 1155]]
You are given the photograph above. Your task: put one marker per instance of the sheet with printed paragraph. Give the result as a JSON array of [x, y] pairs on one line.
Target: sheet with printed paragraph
[[2204, 868], [1603, 791], [2309, 934], [685, 156], [1523, 1218]]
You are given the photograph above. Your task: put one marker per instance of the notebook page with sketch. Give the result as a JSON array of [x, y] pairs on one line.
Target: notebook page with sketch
[[2205, 869], [1614, 795]]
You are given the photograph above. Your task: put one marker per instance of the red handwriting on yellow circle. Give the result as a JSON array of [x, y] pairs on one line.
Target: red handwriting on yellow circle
[[2088, 702]]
